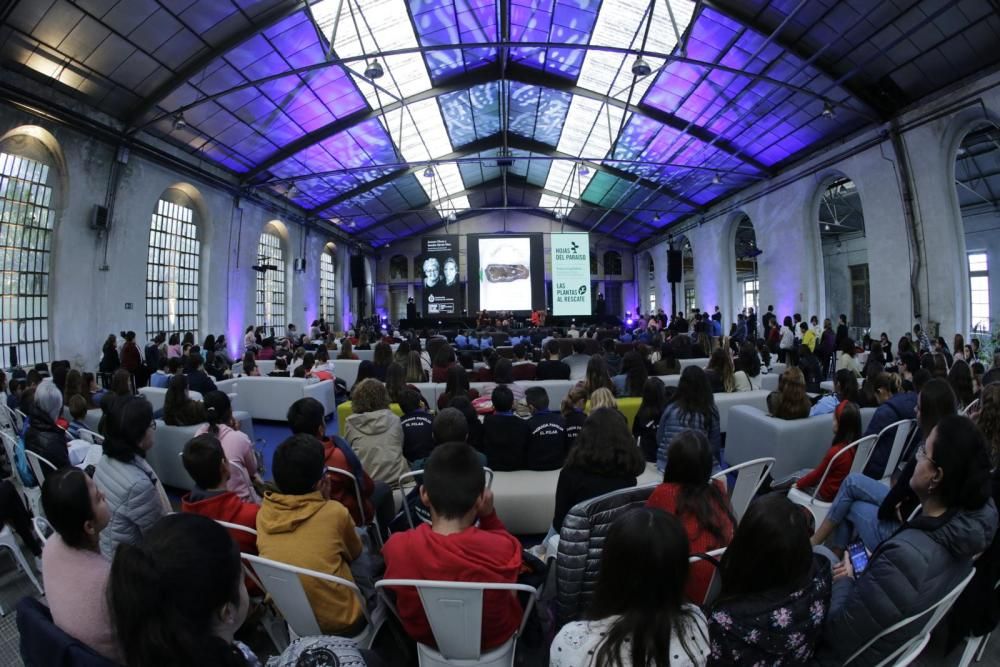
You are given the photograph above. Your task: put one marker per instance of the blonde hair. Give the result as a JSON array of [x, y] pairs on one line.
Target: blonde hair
[[602, 398]]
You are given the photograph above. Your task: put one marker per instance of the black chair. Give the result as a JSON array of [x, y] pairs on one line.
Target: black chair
[[45, 645]]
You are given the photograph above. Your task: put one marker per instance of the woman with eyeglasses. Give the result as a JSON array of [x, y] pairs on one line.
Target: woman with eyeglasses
[[926, 557], [870, 508], [134, 494]]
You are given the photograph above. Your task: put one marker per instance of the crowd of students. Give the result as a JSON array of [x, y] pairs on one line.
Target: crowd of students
[[162, 588]]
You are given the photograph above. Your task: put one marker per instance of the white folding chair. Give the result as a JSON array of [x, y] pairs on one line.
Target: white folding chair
[[7, 423], [90, 436], [9, 542], [43, 529], [908, 651], [715, 583], [976, 646], [749, 476], [454, 610], [862, 451], [283, 583], [31, 495], [411, 479], [39, 465], [361, 503], [905, 429]]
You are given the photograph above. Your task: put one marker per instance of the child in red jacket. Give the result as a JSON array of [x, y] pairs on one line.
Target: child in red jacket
[[206, 462], [453, 548], [846, 429]]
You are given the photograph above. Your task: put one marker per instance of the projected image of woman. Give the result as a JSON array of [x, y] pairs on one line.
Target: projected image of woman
[[450, 272], [432, 272]]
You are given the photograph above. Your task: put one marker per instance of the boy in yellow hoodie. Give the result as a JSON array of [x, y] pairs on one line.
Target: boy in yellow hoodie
[[301, 526]]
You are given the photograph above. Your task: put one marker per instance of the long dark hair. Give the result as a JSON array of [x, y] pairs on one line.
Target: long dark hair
[[634, 368], [126, 420], [218, 409], [597, 375], [66, 501], [961, 451], [176, 397], [644, 567], [382, 354], [848, 423], [606, 447], [936, 401], [689, 458], [456, 382], [960, 379], [395, 381], [694, 394], [654, 399], [164, 594], [749, 360], [249, 362], [770, 550]]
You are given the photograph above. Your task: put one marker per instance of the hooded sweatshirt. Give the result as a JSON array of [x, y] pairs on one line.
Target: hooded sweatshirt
[[913, 569], [487, 554], [225, 506], [377, 438], [318, 534], [773, 627]]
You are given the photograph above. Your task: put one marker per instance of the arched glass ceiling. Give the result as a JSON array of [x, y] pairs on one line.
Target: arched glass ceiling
[[515, 103]]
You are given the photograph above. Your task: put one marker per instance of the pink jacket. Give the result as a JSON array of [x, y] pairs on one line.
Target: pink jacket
[[237, 446]]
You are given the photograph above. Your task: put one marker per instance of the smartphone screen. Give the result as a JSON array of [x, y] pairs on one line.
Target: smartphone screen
[[859, 557]]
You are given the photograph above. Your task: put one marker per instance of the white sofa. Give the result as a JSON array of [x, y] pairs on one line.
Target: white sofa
[[346, 370], [556, 389], [156, 395], [795, 444], [525, 500], [164, 456], [269, 397]]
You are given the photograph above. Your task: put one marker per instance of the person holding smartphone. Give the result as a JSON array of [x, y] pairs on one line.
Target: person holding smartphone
[[926, 558]]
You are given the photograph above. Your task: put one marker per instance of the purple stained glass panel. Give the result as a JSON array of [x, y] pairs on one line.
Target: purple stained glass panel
[[562, 22], [455, 22]]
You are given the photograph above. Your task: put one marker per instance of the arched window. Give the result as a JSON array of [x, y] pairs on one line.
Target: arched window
[[172, 266], [612, 263], [327, 285], [399, 267], [270, 281], [26, 224]]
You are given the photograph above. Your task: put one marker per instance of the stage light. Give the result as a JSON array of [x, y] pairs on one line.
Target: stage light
[[828, 111], [374, 70], [583, 170], [640, 67], [629, 321], [179, 122]]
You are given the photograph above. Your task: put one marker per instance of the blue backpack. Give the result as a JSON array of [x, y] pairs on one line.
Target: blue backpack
[[21, 464]]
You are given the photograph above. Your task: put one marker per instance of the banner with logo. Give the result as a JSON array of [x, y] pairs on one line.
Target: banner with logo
[[570, 274], [439, 270]]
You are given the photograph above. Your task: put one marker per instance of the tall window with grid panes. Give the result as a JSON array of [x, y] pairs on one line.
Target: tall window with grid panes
[[26, 224], [271, 283], [979, 288], [172, 268], [327, 286]]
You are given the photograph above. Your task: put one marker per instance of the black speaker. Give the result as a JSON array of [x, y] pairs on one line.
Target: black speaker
[[99, 218], [675, 266], [357, 271]]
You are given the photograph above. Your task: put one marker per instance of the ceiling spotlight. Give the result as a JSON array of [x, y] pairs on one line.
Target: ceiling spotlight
[[656, 217], [352, 224], [717, 179], [559, 215], [179, 122], [452, 217], [429, 172], [640, 67], [828, 111], [292, 191], [582, 170], [826, 228], [374, 70], [962, 151]]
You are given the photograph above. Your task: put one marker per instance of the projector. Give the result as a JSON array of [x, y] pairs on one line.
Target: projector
[[264, 268]]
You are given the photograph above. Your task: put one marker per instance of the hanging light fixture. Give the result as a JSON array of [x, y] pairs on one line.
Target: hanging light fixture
[[717, 179], [828, 111], [292, 191], [582, 170], [179, 122], [374, 70], [640, 67], [452, 217], [429, 172], [656, 217]]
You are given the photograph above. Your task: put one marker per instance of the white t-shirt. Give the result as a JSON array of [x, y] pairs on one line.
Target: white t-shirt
[[746, 383], [577, 643]]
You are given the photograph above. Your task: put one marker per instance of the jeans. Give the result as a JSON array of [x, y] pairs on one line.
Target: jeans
[[855, 509]]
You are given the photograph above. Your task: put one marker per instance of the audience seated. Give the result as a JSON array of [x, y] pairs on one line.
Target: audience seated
[[647, 419], [418, 437], [846, 429], [632, 378], [503, 375], [179, 409], [473, 425], [845, 388], [720, 374], [603, 398], [73, 568], [551, 368], [790, 400], [453, 548], [444, 358], [546, 440], [205, 460], [596, 376], [702, 505], [775, 592], [198, 379], [613, 360], [638, 615], [375, 433], [747, 373], [300, 525], [603, 459], [134, 494], [577, 361], [667, 363], [523, 368], [456, 384], [572, 410], [692, 407], [811, 369], [505, 434], [43, 435], [919, 564], [894, 405], [871, 509], [236, 444]]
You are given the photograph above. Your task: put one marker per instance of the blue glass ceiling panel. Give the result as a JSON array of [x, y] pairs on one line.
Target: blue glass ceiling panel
[[475, 173], [538, 113], [401, 194], [456, 22], [472, 113], [364, 146], [535, 171], [563, 22]]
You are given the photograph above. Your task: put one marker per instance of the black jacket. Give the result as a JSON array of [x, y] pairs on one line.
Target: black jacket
[[418, 435], [549, 369], [200, 382], [546, 448], [46, 439], [573, 424], [504, 440]]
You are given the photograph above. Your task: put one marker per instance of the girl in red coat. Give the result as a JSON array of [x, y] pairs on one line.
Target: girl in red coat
[[699, 502], [846, 429]]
